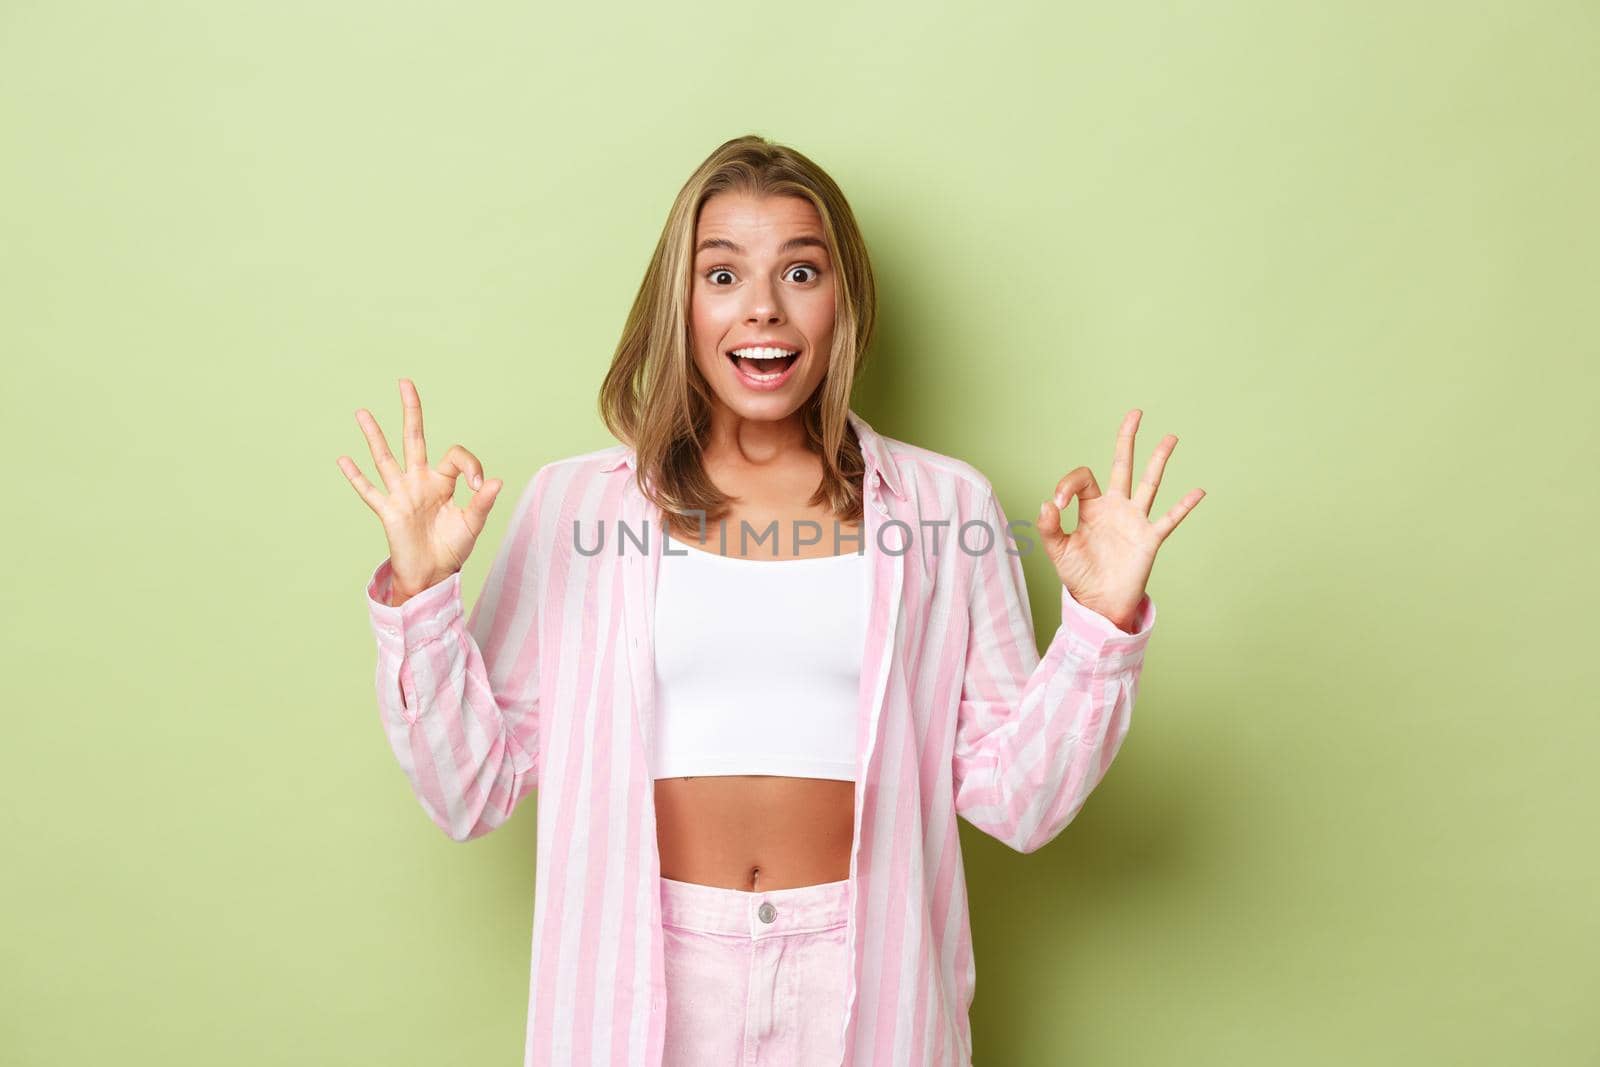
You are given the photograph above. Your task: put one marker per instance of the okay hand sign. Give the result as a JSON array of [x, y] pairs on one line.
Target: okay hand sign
[[1106, 560], [429, 537]]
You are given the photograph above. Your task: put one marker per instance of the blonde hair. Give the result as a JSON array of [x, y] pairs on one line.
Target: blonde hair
[[654, 397]]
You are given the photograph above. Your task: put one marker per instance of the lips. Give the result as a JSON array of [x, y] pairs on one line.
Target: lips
[[763, 374]]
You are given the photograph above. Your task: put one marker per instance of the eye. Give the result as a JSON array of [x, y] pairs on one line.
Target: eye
[[810, 274]]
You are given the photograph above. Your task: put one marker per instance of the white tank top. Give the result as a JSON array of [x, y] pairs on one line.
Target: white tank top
[[758, 664]]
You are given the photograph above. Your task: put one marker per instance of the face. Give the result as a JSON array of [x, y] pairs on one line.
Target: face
[[762, 279]]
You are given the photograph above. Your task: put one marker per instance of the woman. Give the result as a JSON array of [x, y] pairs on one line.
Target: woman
[[756, 659]]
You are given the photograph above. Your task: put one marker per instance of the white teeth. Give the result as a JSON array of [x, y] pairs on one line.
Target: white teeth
[[763, 352]]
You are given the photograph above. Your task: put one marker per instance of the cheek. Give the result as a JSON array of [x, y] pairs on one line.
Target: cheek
[[820, 317], [705, 327], [712, 310], [826, 306]]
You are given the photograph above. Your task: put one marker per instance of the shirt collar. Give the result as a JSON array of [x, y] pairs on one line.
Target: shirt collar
[[873, 447]]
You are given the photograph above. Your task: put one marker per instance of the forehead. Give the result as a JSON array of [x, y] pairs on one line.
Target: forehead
[[755, 221]]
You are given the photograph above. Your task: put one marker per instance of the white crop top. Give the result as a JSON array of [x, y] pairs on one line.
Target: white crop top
[[758, 664]]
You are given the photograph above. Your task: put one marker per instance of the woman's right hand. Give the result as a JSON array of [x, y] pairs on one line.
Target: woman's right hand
[[429, 537]]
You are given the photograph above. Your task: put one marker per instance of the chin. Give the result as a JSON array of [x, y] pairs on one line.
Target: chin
[[768, 408]]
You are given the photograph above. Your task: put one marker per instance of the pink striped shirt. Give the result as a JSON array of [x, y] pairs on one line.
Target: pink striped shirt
[[549, 683]]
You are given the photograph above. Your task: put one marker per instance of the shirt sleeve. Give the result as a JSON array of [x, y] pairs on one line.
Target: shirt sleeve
[[459, 696], [1035, 735]]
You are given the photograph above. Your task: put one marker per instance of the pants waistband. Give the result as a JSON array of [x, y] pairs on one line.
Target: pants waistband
[[715, 909]]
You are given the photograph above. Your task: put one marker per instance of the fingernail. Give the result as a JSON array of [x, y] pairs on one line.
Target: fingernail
[[477, 481]]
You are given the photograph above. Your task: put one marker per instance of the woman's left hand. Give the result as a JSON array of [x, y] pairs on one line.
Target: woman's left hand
[[1105, 561]]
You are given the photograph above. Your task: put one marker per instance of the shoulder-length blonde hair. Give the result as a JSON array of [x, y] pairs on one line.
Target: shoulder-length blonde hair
[[654, 397]]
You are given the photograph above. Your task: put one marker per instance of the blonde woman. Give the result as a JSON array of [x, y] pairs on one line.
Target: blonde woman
[[755, 659]]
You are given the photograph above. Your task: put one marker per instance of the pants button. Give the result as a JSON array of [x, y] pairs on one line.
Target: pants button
[[767, 912]]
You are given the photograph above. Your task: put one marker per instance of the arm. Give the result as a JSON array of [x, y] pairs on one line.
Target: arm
[[459, 696], [1035, 736]]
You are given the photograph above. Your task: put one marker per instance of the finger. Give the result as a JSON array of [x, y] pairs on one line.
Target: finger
[[476, 512], [388, 468], [458, 461], [365, 489], [1122, 460], [1078, 482], [1169, 522], [416, 451], [1145, 494]]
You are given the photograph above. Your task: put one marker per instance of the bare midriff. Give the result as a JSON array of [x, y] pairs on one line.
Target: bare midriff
[[756, 831]]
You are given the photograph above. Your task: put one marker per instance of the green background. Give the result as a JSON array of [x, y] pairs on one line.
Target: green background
[[1342, 250]]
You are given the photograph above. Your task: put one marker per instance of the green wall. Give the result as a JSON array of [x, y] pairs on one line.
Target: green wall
[[1342, 250]]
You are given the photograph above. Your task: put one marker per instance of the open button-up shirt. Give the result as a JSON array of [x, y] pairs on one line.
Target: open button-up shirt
[[549, 684]]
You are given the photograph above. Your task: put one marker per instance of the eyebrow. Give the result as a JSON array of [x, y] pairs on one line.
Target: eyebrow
[[792, 243]]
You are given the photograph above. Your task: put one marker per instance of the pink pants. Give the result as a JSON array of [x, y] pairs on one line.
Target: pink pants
[[755, 979]]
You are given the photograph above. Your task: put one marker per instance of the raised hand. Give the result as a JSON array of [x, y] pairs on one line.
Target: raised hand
[[429, 537], [1105, 561]]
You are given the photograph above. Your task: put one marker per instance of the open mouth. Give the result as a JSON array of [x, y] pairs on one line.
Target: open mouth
[[763, 365]]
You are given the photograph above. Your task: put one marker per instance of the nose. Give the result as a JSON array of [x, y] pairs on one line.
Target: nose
[[764, 305]]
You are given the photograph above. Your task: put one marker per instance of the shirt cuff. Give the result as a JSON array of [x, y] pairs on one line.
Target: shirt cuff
[[1100, 637], [421, 619]]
